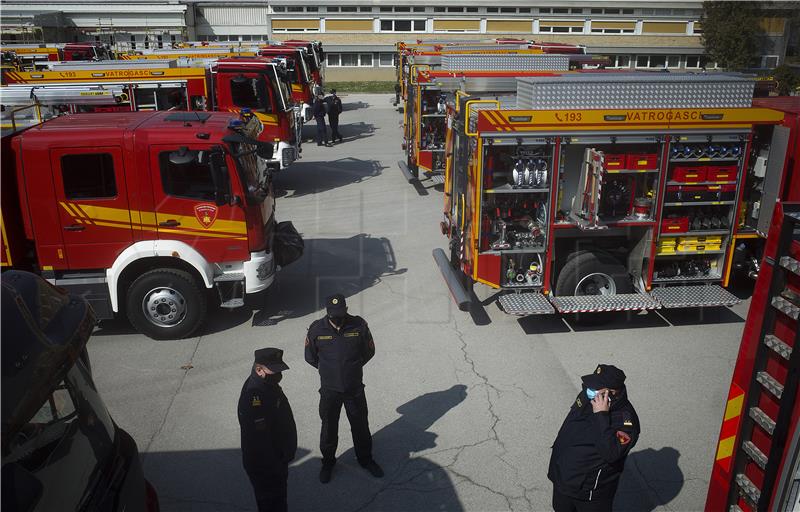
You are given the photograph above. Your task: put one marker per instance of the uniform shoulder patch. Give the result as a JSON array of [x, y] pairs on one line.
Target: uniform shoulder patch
[[578, 402], [256, 401], [623, 437]]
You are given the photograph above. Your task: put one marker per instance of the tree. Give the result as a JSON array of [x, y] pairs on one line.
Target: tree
[[731, 33], [786, 78]]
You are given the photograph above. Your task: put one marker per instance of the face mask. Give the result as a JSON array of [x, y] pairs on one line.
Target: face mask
[[274, 378], [590, 393]]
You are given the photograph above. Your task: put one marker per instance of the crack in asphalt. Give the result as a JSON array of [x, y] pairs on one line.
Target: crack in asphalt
[[178, 389], [402, 480]]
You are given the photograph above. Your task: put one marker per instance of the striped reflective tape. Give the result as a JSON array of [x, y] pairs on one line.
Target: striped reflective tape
[[730, 427]]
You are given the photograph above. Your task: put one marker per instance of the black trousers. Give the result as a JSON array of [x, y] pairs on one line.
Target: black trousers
[[270, 489], [322, 131], [564, 503], [330, 407], [334, 122]]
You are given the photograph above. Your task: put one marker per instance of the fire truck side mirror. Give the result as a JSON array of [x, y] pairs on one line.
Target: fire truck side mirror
[[265, 150]]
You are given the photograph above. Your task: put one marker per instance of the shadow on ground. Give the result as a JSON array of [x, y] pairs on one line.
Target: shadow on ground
[[328, 266], [213, 480], [652, 479], [305, 178]]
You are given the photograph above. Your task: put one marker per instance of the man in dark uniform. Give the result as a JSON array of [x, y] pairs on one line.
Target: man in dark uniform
[[319, 111], [269, 434], [334, 109], [590, 449], [339, 345]]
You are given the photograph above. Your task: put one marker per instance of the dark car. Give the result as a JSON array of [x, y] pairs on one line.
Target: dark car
[[60, 448]]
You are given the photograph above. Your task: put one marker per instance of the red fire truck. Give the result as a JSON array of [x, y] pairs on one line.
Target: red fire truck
[[608, 191], [757, 461], [231, 84], [144, 214], [430, 93], [302, 81], [314, 55], [36, 56]]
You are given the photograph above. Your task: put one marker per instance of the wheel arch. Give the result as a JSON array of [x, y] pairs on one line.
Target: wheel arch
[[147, 255]]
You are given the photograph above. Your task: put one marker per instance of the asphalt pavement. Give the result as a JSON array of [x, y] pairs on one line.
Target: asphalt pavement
[[463, 407]]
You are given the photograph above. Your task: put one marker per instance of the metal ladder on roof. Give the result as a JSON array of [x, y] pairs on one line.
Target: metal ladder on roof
[[764, 434]]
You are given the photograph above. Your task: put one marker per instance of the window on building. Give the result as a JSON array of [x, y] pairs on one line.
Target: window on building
[[613, 27], [475, 9], [386, 60], [419, 9], [619, 61], [642, 61], [294, 8], [333, 60], [705, 63], [402, 25], [336, 9], [190, 181], [365, 9], [365, 60], [509, 10], [88, 176], [560, 27], [312, 9], [439, 9], [133, 42], [492, 9], [544, 10], [349, 8], [627, 11], [402, 9], [693, 61], [673, 61], [278, 8], [386, 9], [455, 9], [651, 61], [524, 10], [697, 28]]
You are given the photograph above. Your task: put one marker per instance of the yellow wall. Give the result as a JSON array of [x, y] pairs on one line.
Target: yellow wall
[[348, 25], [525, 26], [654, 27], [773, 26], [625, 25], [295, 24], [456, 24]]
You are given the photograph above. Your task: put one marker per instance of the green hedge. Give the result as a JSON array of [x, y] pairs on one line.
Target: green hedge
[[355, 87]]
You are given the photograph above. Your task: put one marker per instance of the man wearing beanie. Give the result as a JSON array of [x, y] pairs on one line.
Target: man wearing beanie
[[269, 434], [339, 345], [590, 450]]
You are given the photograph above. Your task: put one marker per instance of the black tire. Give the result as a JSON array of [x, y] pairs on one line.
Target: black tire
[[583, 264], [172, 285]]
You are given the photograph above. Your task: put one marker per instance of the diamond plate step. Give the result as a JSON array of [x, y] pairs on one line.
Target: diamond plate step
[[435, 177], [770, 384], [790, 264], [786, 307], [773, 342], [530, 303], [762, 419], [600, 303], [229, 277], [748, 488], [232, 303], [755, 454], [694, 296]]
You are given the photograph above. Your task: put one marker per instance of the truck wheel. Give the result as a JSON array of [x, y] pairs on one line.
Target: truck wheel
[[589, 273], [166, 304]]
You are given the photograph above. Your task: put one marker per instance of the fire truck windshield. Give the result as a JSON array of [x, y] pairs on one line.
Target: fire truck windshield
[[251, 93]]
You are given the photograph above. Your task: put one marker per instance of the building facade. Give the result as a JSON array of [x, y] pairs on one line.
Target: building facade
[[359, 36]]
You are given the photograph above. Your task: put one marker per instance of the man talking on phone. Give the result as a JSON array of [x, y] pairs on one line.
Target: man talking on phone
[[590, 450]]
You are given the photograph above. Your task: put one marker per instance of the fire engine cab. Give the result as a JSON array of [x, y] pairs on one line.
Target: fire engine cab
[[232, 84], [143, 213]]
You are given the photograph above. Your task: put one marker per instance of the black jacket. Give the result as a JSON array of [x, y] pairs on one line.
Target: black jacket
[[269, 434], [590, 449], [334, 106], [340, 355], [318, 109]]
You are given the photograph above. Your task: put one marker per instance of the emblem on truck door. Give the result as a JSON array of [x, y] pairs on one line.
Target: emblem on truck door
[[206, 214]]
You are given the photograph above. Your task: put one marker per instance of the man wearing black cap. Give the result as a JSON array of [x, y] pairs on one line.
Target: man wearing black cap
[[590, 449], [339, 345], [269, 434]]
